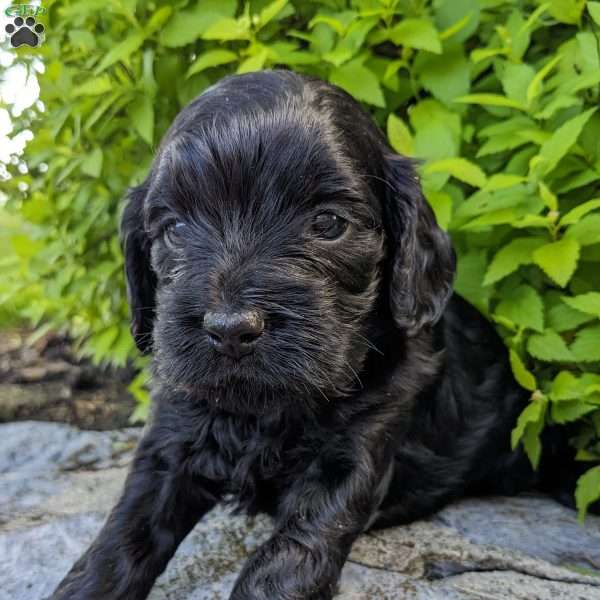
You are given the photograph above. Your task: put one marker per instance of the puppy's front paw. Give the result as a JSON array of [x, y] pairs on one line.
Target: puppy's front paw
[[282, 569]]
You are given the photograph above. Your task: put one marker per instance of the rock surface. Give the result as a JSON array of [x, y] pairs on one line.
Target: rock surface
[[57, 484]]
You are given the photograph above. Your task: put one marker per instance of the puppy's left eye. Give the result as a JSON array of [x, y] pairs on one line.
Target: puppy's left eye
[[329, 226], [173, 230]]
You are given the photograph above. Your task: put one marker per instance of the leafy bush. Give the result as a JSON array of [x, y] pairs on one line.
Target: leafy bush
[[497, 97]]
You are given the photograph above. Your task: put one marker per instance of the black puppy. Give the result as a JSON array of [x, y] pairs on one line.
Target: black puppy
[[310, 360]]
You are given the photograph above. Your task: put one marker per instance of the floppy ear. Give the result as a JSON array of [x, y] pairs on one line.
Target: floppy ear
[[141, 279], [423, 260]]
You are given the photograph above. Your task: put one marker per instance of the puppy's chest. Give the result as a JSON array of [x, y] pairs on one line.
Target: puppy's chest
[[253, 459]]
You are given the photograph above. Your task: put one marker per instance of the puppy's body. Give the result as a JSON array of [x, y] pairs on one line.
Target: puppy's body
[[365, 395]]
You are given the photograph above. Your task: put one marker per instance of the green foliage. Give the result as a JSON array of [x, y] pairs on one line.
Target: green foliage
[[498, 98]]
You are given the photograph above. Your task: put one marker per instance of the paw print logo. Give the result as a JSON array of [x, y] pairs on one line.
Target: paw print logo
[[25, 32]]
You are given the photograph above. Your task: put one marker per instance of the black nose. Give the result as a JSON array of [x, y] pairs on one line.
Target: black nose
[[234, 334]]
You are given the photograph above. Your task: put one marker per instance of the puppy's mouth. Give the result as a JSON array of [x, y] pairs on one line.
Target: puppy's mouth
[[242, 396]]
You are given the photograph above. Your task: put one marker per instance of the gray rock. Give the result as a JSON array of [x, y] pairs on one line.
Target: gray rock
[[57, 485]]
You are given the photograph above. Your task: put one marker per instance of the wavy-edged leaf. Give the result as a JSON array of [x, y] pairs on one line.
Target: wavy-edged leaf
[[187, 25], [565, 387], [549, 346], [359, 81], [558, 260], [588, 303], [562, 317], [417, 33], [554, 149], [522, 306], [566, 412], [510, 257], [586, 347], [586, 232], [576, 214]]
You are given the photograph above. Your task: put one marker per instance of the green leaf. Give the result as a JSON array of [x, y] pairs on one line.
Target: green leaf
[[253, 63], [441, 203], [549, 198], [121, 51], [594, 10], [586, 232], [567, 11], [524, 377], [157, 20], [588, 303], [490, 100], [228, 29], [417, 33], [500, 181], [562, 317], [359, 81], [188, 25], [549, 346], [566, 412], [565, 387], [555, 104], [523, 307], [516, 80], [509, 258], [460, 168], [532, 443], [586, 347], [141, 112], [534, 89], [212, 58], [588, 491], [399, 135], [94, 87], [574, 215], [92, 163], [558, 260], [502, 216], [102, 342], [458, 19], [534, 411], [469, 275], [269, 12], [561, 141], [446, 76], [339, 23]]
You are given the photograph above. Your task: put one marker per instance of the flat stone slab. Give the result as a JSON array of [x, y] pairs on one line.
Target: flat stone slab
[[57, 485]]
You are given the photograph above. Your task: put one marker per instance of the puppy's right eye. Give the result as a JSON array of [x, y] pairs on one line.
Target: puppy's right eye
[[329, 226]]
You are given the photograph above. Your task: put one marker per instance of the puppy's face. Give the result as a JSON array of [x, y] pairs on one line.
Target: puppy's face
[[262, 230]]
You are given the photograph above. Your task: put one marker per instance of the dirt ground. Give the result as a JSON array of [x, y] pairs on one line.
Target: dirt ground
[[43, 380]]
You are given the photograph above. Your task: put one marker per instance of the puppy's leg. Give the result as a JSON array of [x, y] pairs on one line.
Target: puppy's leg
[[319, 519], [159, 506]]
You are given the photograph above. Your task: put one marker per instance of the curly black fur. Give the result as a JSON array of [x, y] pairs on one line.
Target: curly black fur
[[373, 396]]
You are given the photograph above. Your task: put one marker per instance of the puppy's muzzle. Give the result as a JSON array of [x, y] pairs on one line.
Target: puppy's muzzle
[[234, 334]]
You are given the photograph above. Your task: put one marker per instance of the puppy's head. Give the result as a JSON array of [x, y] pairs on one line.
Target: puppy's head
[[275, 227]]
